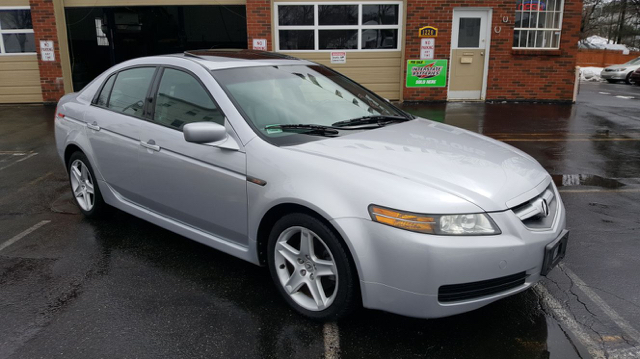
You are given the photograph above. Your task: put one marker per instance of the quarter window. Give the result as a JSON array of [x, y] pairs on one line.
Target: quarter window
[[16, 31], [103, 98], [331, 26], [130, 90], [538, 24], [182, 99]]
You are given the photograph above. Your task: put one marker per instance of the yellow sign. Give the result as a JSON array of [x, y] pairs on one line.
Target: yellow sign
[[428, 31]]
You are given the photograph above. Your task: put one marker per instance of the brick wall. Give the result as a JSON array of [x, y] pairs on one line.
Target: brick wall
[[259, 22], [44, 28], [513, 75]]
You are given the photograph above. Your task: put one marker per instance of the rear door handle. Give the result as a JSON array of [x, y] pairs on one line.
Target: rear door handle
[[94, 126], [150, 145]]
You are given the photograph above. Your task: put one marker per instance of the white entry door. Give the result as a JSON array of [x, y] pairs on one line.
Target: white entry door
[[470, 41]]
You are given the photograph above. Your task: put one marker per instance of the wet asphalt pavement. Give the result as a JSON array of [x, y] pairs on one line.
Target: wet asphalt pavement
[[123, 288]]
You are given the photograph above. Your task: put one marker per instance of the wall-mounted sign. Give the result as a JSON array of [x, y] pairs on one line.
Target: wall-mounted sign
[[427, 73], [260, 44], [427, 48], [339, 57], [428, 31], [46, 50]]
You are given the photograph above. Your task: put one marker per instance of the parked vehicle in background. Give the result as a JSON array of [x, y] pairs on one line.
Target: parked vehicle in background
[[635, 77], [615, 73], [285, 163]]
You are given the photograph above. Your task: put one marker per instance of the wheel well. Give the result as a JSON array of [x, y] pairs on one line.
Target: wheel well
[[277, 212], [68, 152]]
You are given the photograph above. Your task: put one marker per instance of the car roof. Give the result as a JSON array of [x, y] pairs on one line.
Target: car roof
[[215, 59]]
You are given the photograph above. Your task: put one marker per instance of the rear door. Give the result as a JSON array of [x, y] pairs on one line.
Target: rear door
[[113, 128], [196, 184]]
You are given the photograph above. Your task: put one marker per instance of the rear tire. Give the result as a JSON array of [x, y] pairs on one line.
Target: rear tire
[[84, 186], [318, 278]]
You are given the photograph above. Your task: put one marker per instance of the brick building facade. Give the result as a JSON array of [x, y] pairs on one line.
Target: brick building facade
[[514, 50]]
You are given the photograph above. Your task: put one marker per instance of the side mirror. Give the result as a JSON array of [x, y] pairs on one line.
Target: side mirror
[[204, 132]]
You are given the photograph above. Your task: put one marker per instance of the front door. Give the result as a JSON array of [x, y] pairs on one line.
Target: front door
[[202, 186], [469, 45]]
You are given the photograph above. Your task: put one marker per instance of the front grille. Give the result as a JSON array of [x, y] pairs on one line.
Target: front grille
[[540, 211], [466, 291]]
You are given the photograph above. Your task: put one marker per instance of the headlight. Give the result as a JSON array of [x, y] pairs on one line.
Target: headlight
[[622, 69], [473, 224]]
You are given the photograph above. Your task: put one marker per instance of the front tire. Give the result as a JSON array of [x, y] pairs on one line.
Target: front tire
[[84, 186], [628, 79], [311, 267]]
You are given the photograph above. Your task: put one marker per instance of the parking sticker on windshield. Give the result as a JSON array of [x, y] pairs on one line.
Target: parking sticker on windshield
[[271, 129]]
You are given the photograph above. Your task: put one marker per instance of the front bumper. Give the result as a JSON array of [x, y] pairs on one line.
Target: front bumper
[[614, 75], [402, 272]]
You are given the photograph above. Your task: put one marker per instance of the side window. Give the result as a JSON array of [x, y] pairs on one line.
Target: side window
[[104, 93], [182, 99], [130, 90]]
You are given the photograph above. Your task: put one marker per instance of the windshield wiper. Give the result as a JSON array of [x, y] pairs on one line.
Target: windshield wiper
[[380, 120], [305, 129]]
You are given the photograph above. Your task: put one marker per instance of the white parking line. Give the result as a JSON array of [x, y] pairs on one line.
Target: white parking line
[[20, 160], [625, 97], [22, 235], [567, 320], [331, 341], [630, 331]]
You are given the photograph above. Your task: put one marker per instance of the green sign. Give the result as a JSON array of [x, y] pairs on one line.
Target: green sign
[[426, 73]]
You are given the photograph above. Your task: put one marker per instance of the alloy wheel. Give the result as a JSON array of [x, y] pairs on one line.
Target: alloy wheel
[[306, 268], [82, 185]]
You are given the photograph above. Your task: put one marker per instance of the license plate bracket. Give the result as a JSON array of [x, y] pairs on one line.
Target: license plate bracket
[[554, 252]]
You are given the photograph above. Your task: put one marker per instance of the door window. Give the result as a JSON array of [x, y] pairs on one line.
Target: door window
[[130, 90], [469, 32], [182, 99]]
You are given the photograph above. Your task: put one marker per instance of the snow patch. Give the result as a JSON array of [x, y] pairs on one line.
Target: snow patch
[[591, 74], [599, 42]]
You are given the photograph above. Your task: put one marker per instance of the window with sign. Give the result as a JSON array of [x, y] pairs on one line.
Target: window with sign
[[16, 31], [538, 24], [343, 26]]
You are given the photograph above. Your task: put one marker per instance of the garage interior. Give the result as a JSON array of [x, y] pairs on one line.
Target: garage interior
[[104, 36]]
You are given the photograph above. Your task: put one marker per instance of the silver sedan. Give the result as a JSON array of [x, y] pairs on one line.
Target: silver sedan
[[285, 163]]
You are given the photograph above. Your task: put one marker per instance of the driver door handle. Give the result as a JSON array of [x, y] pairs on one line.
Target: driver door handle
[[94, 126], [150, 145]]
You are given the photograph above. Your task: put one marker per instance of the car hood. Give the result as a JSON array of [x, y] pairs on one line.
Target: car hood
[[476, 168], [622, 66]]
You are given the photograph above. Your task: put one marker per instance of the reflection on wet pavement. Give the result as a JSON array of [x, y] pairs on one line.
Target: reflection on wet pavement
[[585, 180]]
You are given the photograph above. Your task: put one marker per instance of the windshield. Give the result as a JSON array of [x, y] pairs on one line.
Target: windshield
[[298, 94]]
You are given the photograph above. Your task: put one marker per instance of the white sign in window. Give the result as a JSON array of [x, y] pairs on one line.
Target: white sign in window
[[427, 48], [46, 50]]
